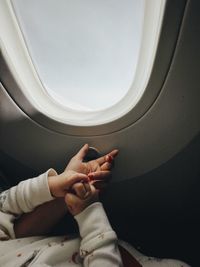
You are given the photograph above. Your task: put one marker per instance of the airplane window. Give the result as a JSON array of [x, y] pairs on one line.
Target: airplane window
[[93, 58], [85, 52]]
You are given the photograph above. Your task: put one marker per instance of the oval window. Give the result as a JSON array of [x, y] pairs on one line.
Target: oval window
[[82, 62]]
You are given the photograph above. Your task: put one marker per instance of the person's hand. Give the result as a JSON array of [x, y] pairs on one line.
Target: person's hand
[[83, 195], [61, 184], [97, 169]]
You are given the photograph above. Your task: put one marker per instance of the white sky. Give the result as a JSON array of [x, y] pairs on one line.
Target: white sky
[[85, 52]]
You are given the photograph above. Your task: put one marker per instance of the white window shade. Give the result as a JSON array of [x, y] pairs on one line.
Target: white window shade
[[82, 62]]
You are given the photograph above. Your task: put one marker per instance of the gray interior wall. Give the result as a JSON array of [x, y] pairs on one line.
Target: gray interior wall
[[157, 212]]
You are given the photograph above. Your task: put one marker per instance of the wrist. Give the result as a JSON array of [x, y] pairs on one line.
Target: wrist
[[93, 219], [51, 177], [50, 180], [85, 206]]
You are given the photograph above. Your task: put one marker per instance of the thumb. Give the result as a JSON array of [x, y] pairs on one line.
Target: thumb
[[71, 198], [83, 152], [73, 203], [74, 178]]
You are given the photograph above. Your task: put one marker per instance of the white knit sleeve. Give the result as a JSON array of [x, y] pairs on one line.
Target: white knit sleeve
[[99, 245], [22, 198]]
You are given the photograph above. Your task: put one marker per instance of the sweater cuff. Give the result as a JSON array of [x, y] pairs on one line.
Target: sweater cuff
[[40, 184], [93, 218], [94, 228], [35, 191]]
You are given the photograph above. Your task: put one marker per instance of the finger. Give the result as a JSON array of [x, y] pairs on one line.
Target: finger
[[76, 178], [107, 157], [87, 188], [82, 152], [110, 157], [79, 190], [82, 190], [114, 153], [100, 175], [101, 160], [107, 166]]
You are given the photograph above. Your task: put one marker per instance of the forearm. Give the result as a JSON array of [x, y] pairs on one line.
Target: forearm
[[27, 195], [41, 220]]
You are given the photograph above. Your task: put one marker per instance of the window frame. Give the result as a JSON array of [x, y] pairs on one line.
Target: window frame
[[152, 88]]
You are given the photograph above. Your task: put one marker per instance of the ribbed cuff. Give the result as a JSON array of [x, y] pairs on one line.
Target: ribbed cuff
[[94, 228], [93, 218], [34, 192]]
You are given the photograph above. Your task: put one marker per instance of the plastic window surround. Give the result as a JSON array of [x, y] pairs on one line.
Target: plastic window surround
[[86, 52], [15, 52]]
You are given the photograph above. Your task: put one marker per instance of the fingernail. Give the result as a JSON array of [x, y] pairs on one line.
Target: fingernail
[[109, 158]]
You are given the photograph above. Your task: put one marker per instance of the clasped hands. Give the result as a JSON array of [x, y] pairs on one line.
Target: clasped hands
[[81, 181]]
